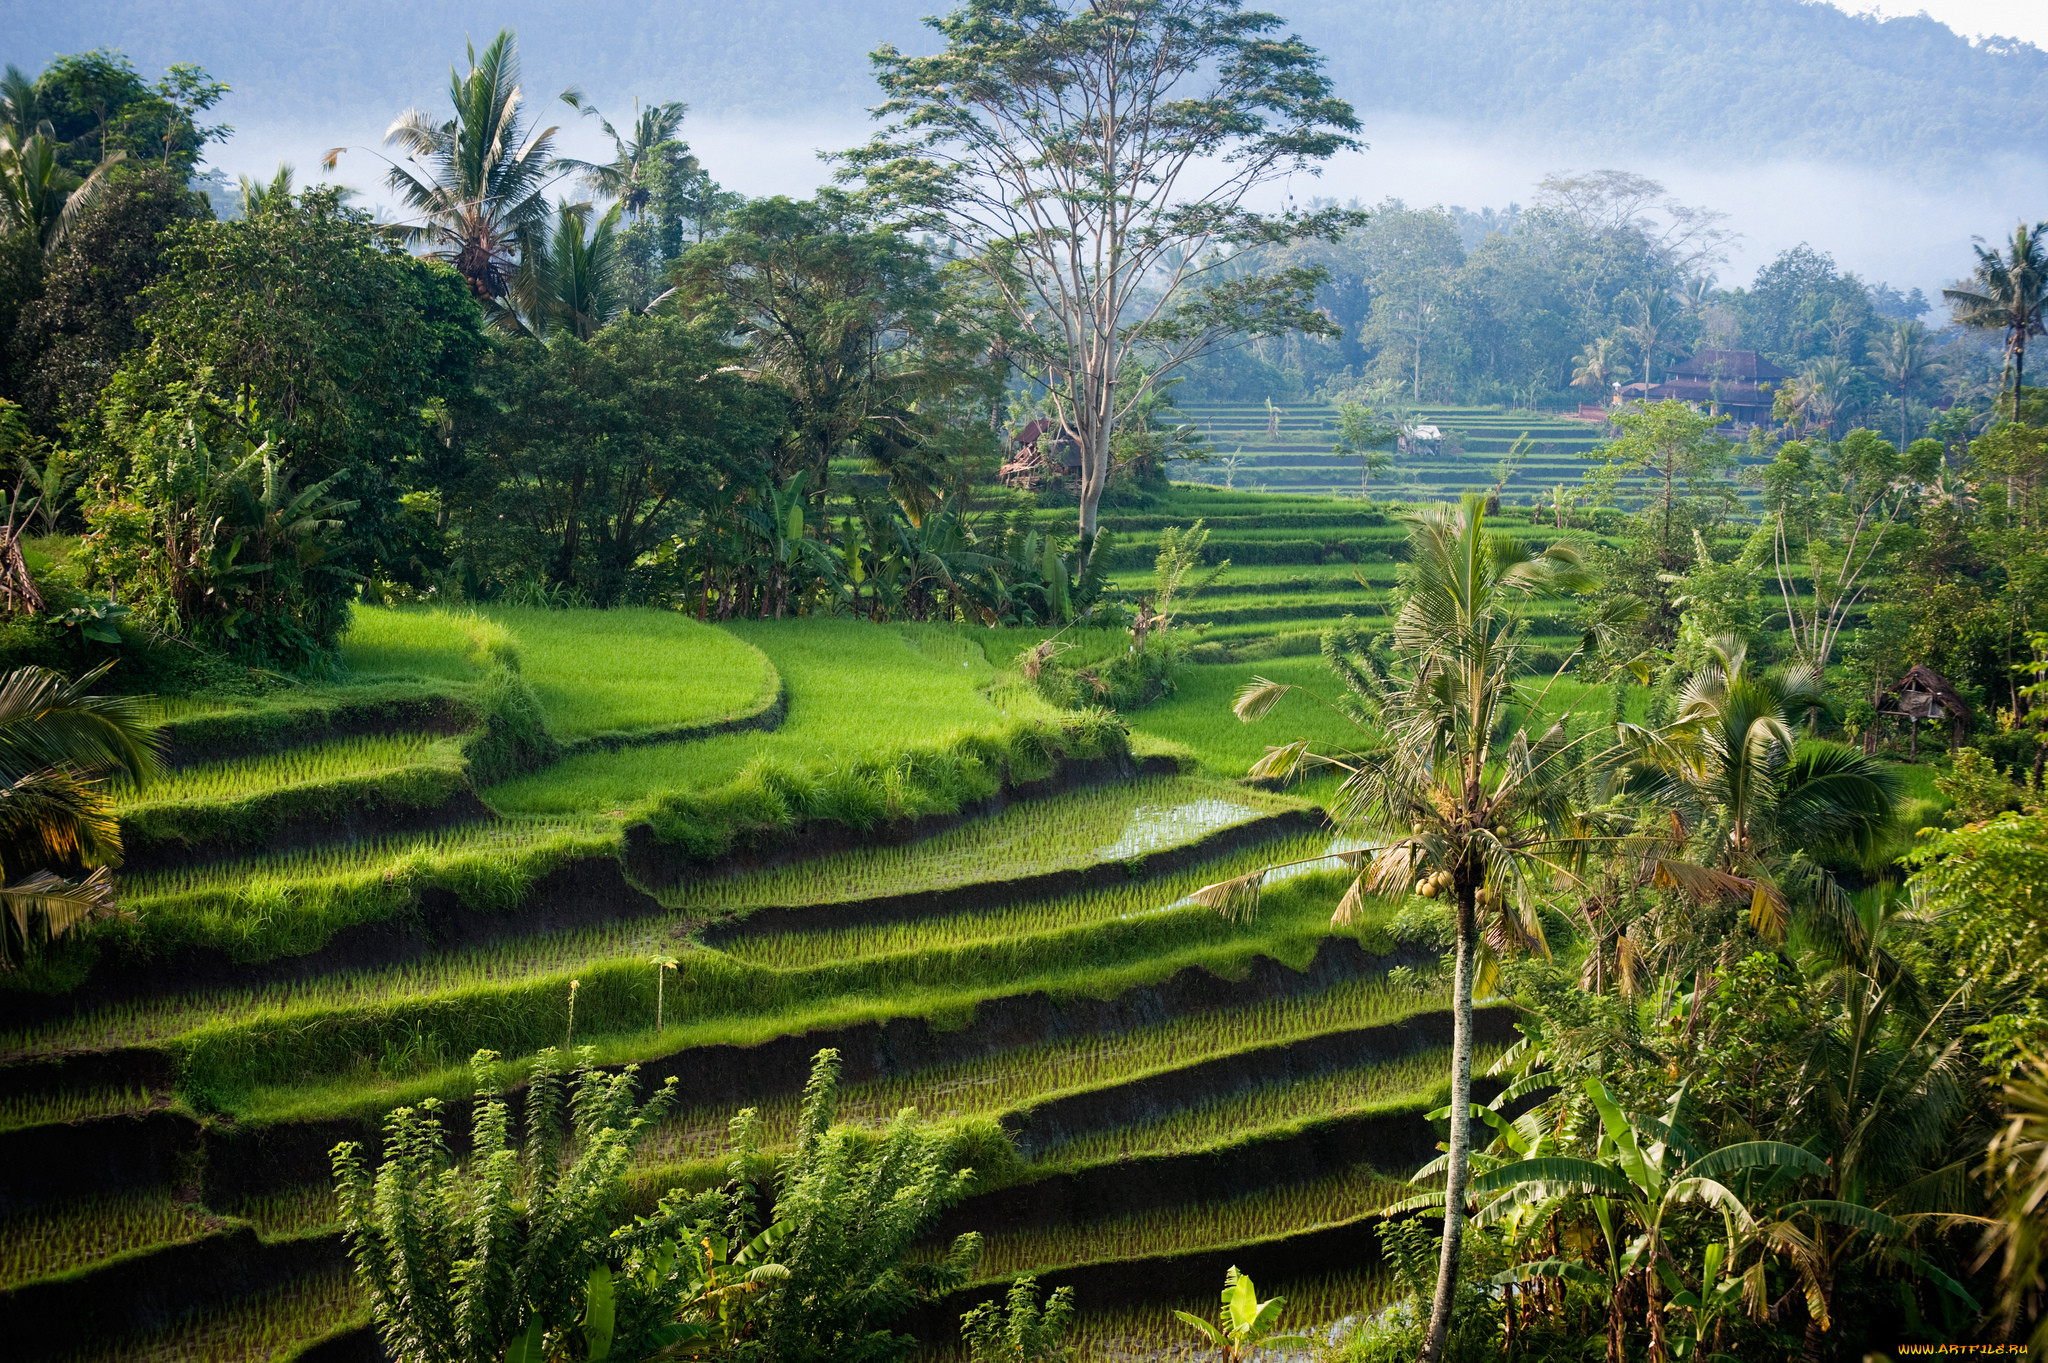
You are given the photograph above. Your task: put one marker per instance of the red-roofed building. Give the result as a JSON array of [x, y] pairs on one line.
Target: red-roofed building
[[1741, 383]]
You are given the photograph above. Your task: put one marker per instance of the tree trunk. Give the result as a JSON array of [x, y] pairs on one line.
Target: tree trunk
[[1458, 1167]]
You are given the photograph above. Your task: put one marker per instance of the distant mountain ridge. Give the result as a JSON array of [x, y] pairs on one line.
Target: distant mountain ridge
[[1726, 79]]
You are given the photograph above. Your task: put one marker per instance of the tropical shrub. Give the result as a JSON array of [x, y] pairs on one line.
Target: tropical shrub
[[523, 1254], [520, 1253], [853, 1205], [1020, 1329], [221, 548]]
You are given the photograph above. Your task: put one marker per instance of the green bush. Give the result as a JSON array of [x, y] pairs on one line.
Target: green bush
[[1102, 668]]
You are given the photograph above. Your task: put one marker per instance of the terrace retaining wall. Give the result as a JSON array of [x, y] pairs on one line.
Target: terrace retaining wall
[[227, 737], [1048, 1124], [298, 818], [1393, 1142], [56, 1160], [765, 720]]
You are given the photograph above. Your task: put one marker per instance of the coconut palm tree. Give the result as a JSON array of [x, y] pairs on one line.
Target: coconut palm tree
[[58, 742], [2016, 1165], [1650, 316], [628, 176], [21, 105], [37, 194], [1906, 363], [569, 282], [478, 181], [2008, 293], [1454, 793], [257, 194], [1823, 391], [1756, 802], [1594, 367]]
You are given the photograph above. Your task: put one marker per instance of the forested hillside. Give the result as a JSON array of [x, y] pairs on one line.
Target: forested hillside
[[1738, 79]]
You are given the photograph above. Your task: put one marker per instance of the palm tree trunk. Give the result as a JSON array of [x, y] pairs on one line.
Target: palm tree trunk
[[1458, 1170]]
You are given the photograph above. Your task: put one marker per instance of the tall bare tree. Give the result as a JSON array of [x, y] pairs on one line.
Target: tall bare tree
[[1097, 161]]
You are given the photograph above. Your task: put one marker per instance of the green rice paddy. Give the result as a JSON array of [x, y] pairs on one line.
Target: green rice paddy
[[40, 1243], [250, 888], [72, 1105], [999, 1083], [267, 1328], [855, 689], [347, 1044], [1151, 898], [315, 764], [1116, 822], [1400, 1082], [635, 671], [431, 645], [1295, 1207]]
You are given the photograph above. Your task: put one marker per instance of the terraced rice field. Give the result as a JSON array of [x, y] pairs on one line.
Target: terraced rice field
[[1318, 1202], [1041, 958], [42, 1243], [1117, 823], [657, 671], [1397, 1083], [338, 760], [1298, 456], [267, 1328], [992, 1085]]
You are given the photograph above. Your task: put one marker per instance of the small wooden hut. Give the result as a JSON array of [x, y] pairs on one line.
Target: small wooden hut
[[1921, 694]]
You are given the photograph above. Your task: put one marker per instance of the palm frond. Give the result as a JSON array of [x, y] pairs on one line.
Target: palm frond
[[1257, 697], [1236, 899]]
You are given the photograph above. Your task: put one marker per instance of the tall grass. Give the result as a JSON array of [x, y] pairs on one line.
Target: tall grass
[[635, 670], [1103, 823]]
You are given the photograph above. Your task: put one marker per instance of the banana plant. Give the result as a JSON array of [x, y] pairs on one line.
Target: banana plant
[[778, 523], [1245, 1325], [1718, 1296], [1643, 1171]]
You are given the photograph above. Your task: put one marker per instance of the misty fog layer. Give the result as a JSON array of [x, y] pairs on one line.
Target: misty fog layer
[[1885, 144]]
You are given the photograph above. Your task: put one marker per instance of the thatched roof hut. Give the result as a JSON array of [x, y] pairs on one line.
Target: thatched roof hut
[[1924, 693]]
